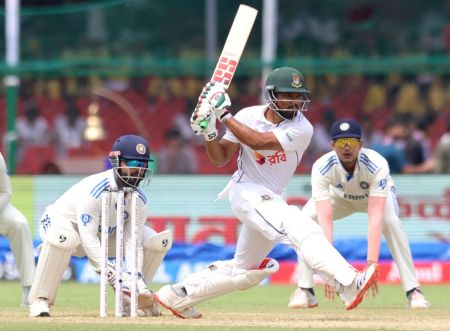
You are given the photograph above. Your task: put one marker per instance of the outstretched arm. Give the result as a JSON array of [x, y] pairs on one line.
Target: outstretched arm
[[375, 212]]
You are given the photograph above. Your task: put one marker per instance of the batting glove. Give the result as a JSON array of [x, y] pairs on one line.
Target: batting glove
[[219, 100], [203, 120]]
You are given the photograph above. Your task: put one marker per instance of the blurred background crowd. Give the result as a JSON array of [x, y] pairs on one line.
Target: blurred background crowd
[[138, 66]]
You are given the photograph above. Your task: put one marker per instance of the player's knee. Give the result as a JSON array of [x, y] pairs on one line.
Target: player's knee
[[64, 238], [160, 242]]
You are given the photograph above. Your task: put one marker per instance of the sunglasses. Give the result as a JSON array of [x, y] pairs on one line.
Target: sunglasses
[[136, 163], [342, 142]]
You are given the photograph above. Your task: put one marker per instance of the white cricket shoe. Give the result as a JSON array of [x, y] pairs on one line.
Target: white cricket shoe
[[354, 293], [417, 300], [167, 297], [301, 298], [39, 308]]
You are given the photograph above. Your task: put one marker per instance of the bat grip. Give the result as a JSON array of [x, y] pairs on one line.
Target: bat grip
[[204, 124]]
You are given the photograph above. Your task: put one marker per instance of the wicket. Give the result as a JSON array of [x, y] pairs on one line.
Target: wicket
[[120, 211]]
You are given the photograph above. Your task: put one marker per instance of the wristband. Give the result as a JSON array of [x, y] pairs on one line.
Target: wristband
[[225, 116]]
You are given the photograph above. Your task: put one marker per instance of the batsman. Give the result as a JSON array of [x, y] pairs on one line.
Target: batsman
[[270, 139], [71, 226]]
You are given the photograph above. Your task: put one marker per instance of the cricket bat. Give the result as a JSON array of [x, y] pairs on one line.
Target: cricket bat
[[233, 48]]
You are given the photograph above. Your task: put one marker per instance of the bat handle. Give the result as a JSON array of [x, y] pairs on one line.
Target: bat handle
[[204, 124]]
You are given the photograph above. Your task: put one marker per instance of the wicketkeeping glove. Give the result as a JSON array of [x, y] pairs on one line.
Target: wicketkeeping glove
[[219, 100]]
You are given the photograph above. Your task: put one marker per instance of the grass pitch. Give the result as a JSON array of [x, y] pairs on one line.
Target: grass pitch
[[77, 308]]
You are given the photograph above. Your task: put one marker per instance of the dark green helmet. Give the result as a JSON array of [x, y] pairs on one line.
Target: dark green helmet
[[286, 79]]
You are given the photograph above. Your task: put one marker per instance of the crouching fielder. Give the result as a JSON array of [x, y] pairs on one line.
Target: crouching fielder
[[271, 140], [353, 179], [71, 226]]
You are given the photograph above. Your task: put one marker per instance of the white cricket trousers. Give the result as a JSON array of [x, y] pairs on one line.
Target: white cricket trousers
[[15, 227], [393, 232], [267, 219]]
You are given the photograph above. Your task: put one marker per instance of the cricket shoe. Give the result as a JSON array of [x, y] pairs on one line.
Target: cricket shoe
[[417, 300], [353, 294], [168, 298], [39, 308], [302, 298]]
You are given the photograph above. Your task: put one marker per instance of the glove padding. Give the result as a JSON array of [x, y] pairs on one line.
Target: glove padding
[[147, 306], [218, 98], [203, 113]]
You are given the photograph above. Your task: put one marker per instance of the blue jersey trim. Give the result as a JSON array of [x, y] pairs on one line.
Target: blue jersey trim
[[364, 159], [99, 188], [330, 163]]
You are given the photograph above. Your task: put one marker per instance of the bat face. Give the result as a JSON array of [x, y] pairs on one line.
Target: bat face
[[224, 71], [234, 45]]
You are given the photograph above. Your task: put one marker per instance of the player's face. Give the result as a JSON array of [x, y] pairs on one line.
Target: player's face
[[133, 171], [288, 103], [347, 150]]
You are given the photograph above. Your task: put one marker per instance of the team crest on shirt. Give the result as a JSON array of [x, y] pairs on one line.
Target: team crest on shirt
[[86, 219], [266, 197], [364, 185]]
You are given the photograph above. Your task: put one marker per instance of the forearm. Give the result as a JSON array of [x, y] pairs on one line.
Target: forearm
[[325, 218], [216, 153], [375, 215]]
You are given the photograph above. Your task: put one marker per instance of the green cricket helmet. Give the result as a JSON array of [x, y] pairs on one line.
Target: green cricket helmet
[[286, 80]]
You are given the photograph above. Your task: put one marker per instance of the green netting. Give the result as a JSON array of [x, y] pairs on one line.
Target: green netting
[[142, 37]]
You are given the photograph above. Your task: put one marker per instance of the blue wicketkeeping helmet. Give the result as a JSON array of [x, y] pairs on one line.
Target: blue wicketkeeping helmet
[[135, 151]]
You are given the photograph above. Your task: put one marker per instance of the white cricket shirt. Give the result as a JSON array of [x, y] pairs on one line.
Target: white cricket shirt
[[81, 204], [371, 177], [269, 168]]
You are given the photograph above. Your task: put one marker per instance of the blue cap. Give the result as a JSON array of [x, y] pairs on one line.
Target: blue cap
[[345, 128], [131, 147]]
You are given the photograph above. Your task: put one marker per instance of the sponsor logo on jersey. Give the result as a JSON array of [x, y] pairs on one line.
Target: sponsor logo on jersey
[[86, 219], [266, 197], [111, 229], [356, 196], [260, 159], [382, 184], [339, 186], [278, 157], [288, 135], [364, 185]]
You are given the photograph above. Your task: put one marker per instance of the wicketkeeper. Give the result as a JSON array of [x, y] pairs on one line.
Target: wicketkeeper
[[71, 226]]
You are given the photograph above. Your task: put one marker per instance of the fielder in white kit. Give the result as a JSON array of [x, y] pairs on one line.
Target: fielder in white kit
[[71, 226], [15, 227], [353, 179], [270, 139]]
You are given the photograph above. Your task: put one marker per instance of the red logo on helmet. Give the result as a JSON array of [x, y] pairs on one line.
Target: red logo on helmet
[[114, 153]]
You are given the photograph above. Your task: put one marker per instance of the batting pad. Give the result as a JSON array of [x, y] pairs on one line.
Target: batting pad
[[220, 278], [58, 246], [155, 248]]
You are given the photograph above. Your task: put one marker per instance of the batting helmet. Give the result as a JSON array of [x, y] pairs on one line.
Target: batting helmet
[[286, 79]]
